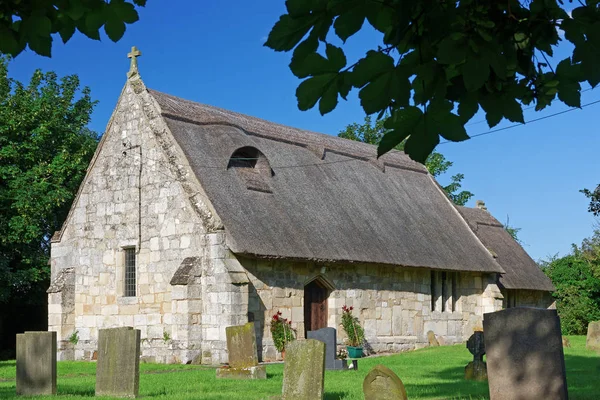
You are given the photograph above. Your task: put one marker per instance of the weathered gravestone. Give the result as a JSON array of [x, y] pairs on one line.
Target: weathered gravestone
[[304, 370], [381, 383], [593, 336], [36, 363], [476, 370], [243, 356], [329, 337], [525, 357], [118, 366], [432, 339]]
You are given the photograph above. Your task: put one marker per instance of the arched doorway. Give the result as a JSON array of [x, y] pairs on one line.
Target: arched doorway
[[316, 293]]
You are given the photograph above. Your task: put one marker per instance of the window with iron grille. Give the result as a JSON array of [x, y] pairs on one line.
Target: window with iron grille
[[130, 272]]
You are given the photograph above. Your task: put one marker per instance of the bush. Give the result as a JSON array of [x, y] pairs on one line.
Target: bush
[[351, 325], [281, 331]]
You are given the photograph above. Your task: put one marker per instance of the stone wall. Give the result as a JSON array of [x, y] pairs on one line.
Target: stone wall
[[392, 303], [528, 298]]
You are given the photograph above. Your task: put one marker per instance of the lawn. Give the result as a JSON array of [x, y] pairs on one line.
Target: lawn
[[432, 373]]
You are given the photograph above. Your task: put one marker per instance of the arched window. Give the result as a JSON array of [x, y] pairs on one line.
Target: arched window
[[253, 168]]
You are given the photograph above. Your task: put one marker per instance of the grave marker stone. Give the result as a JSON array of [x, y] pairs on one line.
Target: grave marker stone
[[243, 356], [118, 366], [525, 357], [329, 337], [476, 369], [381, 383], [304, 370], [36, 363], [592, 341], [432, 339]]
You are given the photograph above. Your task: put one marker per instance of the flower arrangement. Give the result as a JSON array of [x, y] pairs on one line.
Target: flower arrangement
[[281, 331], [351, 325]]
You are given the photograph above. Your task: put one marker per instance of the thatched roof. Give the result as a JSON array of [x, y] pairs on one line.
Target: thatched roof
[[521, 271], [319, 197]]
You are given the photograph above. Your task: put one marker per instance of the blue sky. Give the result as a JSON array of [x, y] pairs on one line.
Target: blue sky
[[212, 52]]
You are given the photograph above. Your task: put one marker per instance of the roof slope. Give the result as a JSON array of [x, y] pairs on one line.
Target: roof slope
[[330, 199], [521, 271]]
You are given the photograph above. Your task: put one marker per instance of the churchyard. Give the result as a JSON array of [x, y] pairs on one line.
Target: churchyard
[[430, 373]]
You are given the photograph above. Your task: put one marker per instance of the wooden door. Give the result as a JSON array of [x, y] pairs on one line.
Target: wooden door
[[315, 306]]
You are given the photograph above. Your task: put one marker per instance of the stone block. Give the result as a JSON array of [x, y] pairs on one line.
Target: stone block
[[255, 372], [241, 345], [381, 383], [118, 366], [36, 363], [525, 357], [592, 341], [304, 370]]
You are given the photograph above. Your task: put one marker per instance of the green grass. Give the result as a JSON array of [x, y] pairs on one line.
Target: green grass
[[432, 373]]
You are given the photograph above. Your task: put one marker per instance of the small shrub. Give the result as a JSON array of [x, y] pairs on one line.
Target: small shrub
[[74, 338], [281, 331], [351, 325], [166, 336]]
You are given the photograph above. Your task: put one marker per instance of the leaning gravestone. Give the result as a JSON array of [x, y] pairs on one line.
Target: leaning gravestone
[[432, 339], [36, 363], [381, 383], [329, 337], [243, 356], [304, 370], [118, 366], [476, 370], [593, 336], [525, 357]]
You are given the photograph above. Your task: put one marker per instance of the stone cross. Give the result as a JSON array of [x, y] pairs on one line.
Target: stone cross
[[133, 68], [476, 346]]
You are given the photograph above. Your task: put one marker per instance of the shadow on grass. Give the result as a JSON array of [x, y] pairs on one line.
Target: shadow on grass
[[582, 376], [66, 389], [335, 395]]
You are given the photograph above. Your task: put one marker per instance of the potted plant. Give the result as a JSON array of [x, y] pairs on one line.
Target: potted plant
[[282, 332], [354, 332]]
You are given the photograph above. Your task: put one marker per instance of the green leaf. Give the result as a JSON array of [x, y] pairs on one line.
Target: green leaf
[[329, 100], [67, 28], [75, 10], [114, 28], [288, 31], [41, 45], [451, 51], [379, 93], [348, 23], [300, 65], [403, 122], [311, 90], [371, 66], [467, 108], [391, 140], [124, 11], [8, 42], [420, 144], [299, 8], [512, 109], [475, 73], [335, 56]]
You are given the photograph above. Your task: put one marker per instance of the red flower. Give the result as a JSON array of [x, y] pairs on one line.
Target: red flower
[[278, 312], [290, 322], [351, 308]]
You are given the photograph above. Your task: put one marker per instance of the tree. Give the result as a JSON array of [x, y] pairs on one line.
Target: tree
[[436, 163], [32, 23], [45, 149], [594, 197], [439, 62], [512, 231]]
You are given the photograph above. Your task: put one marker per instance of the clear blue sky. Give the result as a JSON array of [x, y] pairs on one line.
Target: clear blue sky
[[212, 52]]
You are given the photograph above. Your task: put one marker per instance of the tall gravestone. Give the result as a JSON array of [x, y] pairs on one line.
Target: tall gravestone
[[242, 352], [592, 341], [381, 383], [304, 370], [525, 357], [476, 370], [329, 337], [118, 365], [36, 363]]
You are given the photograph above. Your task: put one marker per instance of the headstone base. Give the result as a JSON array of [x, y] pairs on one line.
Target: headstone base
[[476, 371], [257, 372]]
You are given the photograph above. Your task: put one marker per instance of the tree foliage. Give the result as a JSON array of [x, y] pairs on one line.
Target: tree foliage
[[45, 149], [436, 163], [577, 280], [439, 62], [512, 231], [594, 196], [32, 23]]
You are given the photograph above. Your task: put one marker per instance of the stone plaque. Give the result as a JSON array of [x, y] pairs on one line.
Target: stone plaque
[[118, 366], [329, 337], [592, 341], [241, 346], [381, 383], [525, 357], [36, 363], [304, 370]]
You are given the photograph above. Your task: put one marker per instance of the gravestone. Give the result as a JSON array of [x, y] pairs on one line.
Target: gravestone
[[36, 363], [432, 339], [381, 383], [525, 357], [566, 342], [329, 337], [304, 370], [476, 370], [118, 366], [242, 352], [592, 341]]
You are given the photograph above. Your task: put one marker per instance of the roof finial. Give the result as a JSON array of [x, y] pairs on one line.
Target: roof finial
[[133, 69], [481, 205]]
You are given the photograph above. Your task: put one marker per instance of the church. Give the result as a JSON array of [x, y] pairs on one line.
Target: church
[[193, 218]]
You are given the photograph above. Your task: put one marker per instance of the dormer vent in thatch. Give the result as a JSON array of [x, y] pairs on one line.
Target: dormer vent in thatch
[[253, 168]]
